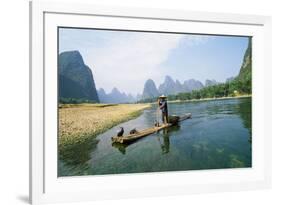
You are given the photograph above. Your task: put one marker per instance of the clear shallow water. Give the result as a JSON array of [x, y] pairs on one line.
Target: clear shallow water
[[217, 136]]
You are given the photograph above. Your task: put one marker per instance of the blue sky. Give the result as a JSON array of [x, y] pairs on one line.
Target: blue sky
[[126, 60]]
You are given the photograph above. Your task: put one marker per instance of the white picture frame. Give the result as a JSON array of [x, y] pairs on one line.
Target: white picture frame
[[46, 187]]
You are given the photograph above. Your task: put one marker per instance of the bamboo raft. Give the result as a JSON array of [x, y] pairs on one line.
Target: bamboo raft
[[142, 133]]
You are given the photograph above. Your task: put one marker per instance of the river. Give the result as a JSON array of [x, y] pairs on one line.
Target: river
[[218, 136]]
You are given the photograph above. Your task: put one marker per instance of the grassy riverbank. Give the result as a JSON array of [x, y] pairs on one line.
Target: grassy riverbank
[[80, 122]]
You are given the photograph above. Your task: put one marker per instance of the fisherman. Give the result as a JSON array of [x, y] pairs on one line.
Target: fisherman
[[162, 102]]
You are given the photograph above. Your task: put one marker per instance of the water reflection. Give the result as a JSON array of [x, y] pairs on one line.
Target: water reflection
[[164, 139], [245, 112], [165, 144], [120, 147]]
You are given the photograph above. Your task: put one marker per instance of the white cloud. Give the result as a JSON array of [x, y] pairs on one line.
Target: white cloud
[[127, 61]]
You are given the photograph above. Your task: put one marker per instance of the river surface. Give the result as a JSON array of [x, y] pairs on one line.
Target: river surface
[[217, 136]]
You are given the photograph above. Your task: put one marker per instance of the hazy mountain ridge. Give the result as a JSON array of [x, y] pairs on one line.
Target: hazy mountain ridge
[[149, 89], [192, 84], [168, 87], [115, 96], [76, 80], [172, 87], [210, 82]]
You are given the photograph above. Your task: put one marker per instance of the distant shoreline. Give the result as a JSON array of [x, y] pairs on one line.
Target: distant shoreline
[[207, 99], [210, 99]]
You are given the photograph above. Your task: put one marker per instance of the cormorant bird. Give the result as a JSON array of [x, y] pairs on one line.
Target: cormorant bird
[[120, 132], [133, 131]]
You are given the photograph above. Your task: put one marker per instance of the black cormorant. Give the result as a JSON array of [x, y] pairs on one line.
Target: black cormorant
[[120, 132]]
